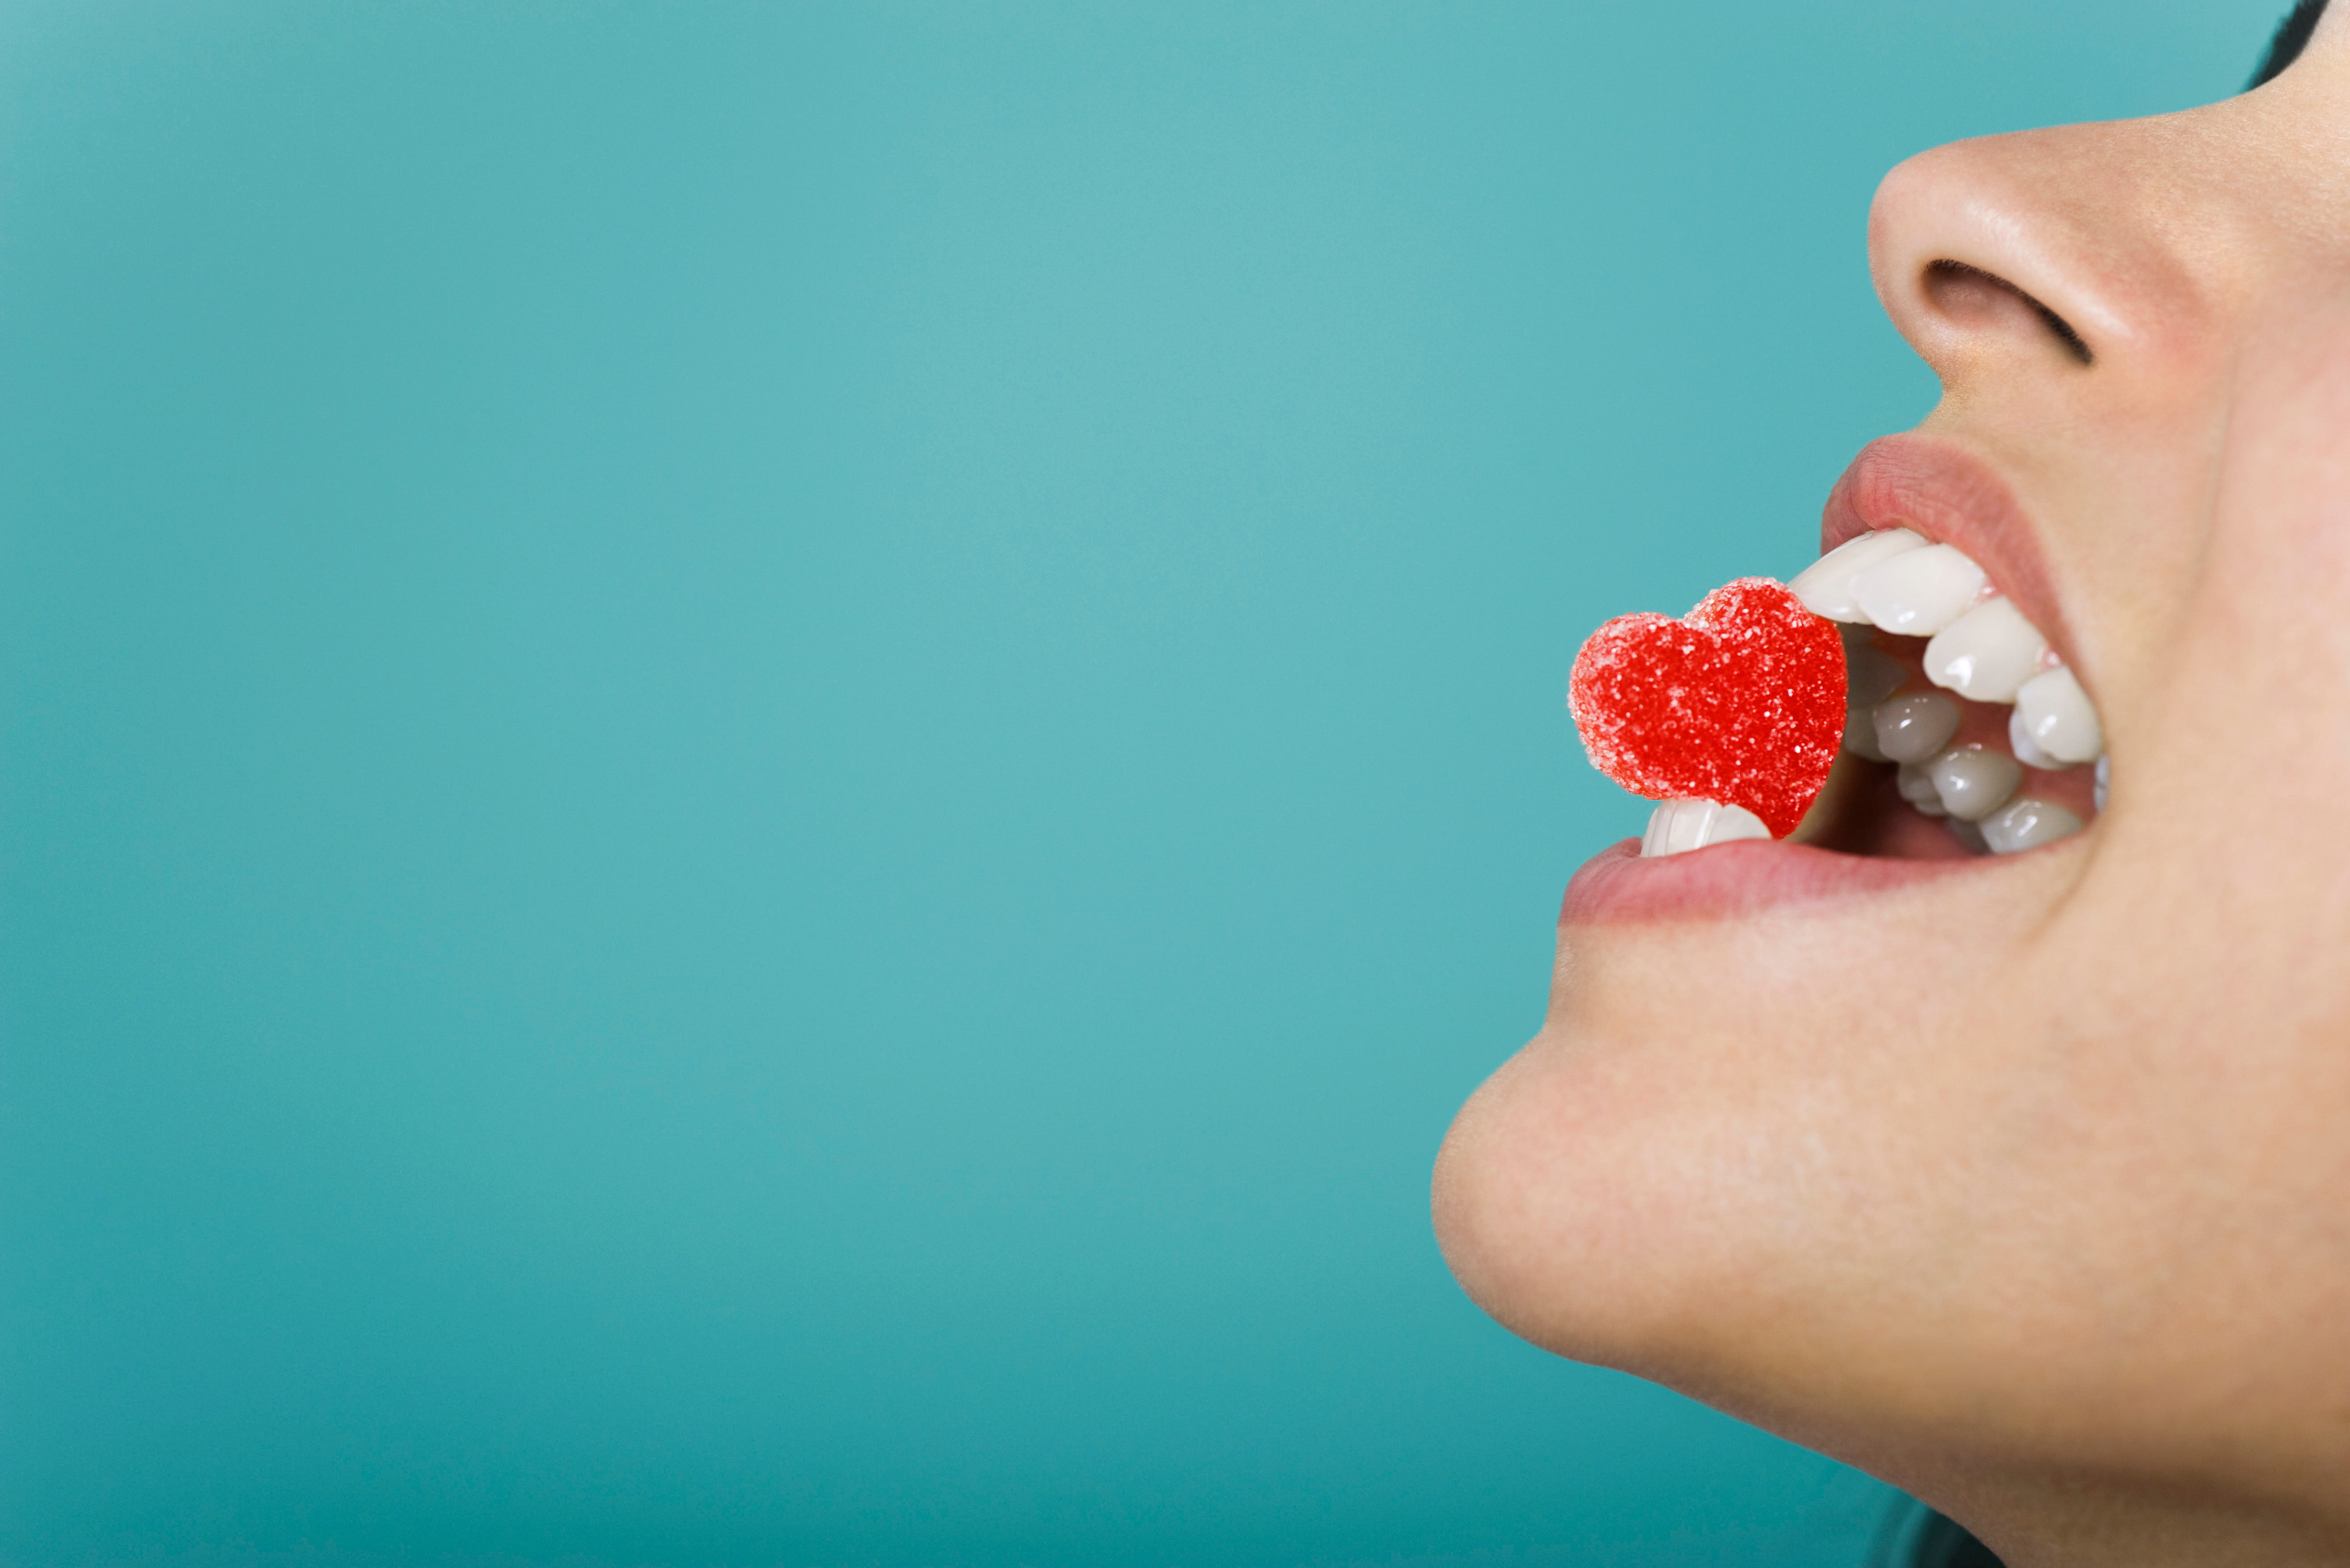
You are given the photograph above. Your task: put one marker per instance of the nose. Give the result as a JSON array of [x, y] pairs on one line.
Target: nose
[[2046, 258]]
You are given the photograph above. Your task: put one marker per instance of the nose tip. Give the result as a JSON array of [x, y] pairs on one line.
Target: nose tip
[[2047, 251], [1970, 269]]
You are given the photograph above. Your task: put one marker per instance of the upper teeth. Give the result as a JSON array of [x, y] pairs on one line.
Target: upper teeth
[[1986, 653], [2020, 741], [1825, 586], [2059, 717], [1983, 649], [1892, 578], [1918, 592]]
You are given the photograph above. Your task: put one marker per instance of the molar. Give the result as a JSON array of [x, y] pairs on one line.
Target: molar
[[2104, 779], [2052, 708], [1682, 825], [1912, 728], [1917, 593], [2027, 824], [1917, 787], [1972, 783], [1825, 586], [1987, 653]]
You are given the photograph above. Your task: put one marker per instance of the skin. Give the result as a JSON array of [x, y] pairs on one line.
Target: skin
[[2028, 1190]]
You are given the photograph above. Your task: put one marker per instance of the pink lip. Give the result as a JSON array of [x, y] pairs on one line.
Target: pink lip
[[1730, 880], [1955, 498]]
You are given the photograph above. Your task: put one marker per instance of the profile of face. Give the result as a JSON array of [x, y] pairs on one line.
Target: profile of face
[[2023, 1181]]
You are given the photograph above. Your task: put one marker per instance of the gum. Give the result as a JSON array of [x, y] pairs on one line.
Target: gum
[[1742, 701]]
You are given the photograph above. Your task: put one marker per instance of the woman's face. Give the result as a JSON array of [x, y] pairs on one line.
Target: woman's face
[[2024, 1181]]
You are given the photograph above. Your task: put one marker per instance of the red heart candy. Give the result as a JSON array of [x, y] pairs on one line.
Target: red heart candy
[[1741, 703]]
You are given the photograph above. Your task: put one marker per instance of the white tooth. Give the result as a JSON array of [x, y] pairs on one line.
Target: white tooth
[[1869, 677], [1986, 653], [1918, 592], [1911, 729], [1860, 736], [2059, 717], [1682, 825], [1917, 788], [1825, 586], [1974, 783], [2027, 752], [2105, 778], [1970, 834], [2028, 824], [1733, 822]]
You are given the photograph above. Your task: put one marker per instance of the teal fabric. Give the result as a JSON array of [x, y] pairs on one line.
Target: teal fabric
[[766, 770]]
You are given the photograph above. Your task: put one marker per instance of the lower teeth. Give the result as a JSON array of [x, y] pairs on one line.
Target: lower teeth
[[1977, 644], [1677, 826], [1972, 783], [2028, 824], [1974, 788]]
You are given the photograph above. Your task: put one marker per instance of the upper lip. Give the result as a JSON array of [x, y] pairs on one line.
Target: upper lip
[[1954, 497]]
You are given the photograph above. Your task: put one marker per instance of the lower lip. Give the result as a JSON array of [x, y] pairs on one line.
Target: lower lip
[[1731, 881]]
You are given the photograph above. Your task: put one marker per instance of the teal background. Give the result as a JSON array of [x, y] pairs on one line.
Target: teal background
[[767, 772]]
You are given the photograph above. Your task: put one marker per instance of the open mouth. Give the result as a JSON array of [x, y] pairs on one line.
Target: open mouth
[[1965, 733], [1968, 734]]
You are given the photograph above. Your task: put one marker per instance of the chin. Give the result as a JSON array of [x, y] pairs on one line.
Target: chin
[[1740, 1157]]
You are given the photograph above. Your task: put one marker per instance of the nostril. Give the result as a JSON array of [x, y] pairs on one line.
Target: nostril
[[1984, 300]]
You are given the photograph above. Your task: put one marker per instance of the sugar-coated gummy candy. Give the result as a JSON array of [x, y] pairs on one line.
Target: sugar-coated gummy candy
[[1742, 702]]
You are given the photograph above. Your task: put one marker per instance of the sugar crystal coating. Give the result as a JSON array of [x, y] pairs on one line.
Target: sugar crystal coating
[[1742, 702]]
